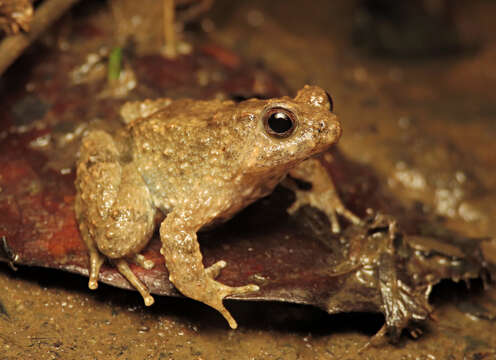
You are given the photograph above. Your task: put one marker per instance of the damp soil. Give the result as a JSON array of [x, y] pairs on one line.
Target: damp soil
[[422, 125]]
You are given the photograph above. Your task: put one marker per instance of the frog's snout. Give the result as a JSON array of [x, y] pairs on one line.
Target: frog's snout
[[336, 129], [329, 129]]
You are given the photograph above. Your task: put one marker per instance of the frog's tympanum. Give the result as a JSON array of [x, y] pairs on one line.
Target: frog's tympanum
[[188, 164]]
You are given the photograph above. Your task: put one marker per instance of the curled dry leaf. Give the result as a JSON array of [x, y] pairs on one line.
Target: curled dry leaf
[[15, 15]]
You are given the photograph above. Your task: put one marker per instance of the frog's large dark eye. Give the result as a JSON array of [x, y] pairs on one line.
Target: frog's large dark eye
[[279, 122]]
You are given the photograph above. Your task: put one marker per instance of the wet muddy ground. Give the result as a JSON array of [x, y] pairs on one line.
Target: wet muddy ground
[[423, 126]]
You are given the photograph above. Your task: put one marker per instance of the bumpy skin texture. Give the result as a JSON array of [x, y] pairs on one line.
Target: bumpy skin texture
[[192, 164]]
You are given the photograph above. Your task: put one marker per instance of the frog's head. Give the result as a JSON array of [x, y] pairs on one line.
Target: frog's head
[[287, 131]]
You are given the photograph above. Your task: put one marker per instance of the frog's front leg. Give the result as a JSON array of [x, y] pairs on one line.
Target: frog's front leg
[[184, 261], [323, 194]]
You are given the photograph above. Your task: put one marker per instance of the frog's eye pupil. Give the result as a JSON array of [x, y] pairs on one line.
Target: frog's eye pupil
[[279, 122]]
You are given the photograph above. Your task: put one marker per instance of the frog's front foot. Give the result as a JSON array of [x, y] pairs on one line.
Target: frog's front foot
[[186, 271], [328, 202], [211, 292], [219, 291]]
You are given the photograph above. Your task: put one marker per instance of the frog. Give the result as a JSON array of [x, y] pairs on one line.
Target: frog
[[181, 166]]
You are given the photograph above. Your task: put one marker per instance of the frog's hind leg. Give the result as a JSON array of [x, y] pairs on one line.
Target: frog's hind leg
[[131, 227], [114, 209]]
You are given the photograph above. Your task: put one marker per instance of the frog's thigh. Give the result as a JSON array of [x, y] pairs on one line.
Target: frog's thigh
[[130, 221], [130, 226]]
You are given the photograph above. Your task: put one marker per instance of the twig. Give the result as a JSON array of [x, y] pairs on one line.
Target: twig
[[195, 10], [169, 30], [12, 46]]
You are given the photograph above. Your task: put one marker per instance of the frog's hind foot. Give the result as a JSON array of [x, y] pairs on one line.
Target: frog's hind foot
[[126, 271]]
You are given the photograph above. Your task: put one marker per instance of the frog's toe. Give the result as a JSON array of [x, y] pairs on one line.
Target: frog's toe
[[92, 284], [141, 261], [344, 212], [214, 270], [226, 291], [227, 315], [96, 261], [245, 289], [148, 264], [239, 290], [125, 270], [335, 227], [350, 216], [149, 300]]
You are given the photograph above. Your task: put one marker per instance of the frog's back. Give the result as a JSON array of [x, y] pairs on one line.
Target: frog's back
[[183, 122], [183, 144]]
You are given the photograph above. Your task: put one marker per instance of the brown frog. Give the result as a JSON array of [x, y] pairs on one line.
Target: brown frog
[[192, 164]]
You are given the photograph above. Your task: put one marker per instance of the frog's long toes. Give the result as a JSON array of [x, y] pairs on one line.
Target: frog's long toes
[[348, 215], [248, 289], [352, 218], [293, 208], [335, 227], [143, 262], [227, 290], [214, 270], [148, 300], [240, 290], [227, 315], [216, 302], [148, 264], [92, 284]]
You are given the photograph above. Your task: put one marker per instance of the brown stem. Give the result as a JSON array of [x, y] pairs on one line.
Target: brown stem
[[169, 30], [47, 13], [195, 10]]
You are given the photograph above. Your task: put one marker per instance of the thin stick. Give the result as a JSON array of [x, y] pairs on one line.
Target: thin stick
[[195, 10], [13, 46], [169, 30]]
